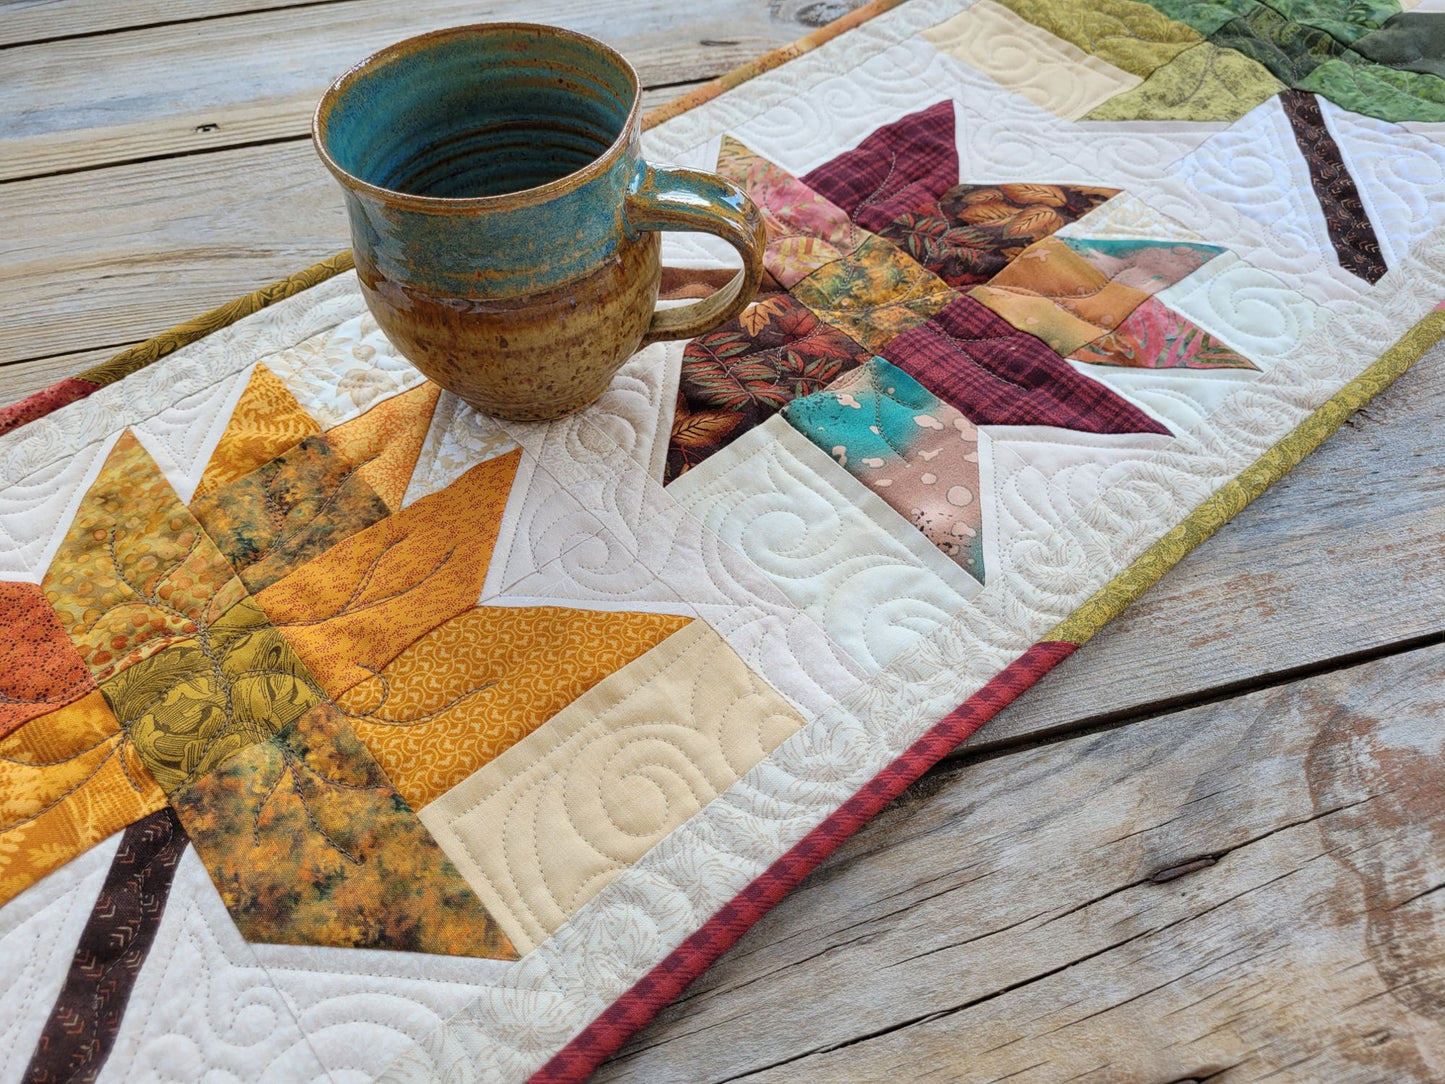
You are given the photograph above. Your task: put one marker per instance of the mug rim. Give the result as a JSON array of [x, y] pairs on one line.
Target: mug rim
[[504, 200]]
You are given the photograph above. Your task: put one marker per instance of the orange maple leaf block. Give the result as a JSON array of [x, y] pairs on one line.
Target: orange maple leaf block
[[203, 702]]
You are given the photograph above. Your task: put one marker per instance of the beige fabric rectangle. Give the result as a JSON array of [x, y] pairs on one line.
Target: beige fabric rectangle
[[543, 827], [1050, 72]]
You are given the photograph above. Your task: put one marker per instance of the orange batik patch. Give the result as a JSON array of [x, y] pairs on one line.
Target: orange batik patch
[[478, 684], [353, 609], [309, 845], [267, 421], [68, 780], [387, 440], [39, 668]]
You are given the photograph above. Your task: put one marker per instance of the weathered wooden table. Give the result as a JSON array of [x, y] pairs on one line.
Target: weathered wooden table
[[1208, 846]]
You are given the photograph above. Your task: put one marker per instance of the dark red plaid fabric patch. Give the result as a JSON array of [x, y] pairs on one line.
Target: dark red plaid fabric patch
[[995, 374], [895, 171]]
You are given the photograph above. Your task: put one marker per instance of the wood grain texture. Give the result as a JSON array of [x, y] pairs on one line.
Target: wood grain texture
[[42, 20], [21, 379], [119, 254], [45, 20], [114, 254], [186, 87], [1237, 892], [1344, 556]]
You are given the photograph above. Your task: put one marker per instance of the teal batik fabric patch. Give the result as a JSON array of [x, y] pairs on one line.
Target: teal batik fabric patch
[[914, 450]]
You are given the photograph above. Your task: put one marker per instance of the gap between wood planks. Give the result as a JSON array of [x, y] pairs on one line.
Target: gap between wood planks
[[252, 76], [975, 751], [15, 39], [67, 20], [1158, 878]]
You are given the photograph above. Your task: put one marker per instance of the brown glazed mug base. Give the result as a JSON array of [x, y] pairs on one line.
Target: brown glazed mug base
[[534, 358]]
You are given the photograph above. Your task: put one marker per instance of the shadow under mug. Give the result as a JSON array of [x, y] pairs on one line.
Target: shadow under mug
[[503, 222]]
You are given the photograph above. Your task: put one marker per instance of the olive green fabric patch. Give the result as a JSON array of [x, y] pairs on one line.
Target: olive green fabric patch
[[1202, 83], [1129, 35], [188, 708]]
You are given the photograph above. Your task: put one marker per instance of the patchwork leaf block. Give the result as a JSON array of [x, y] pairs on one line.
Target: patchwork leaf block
[[352, 732]]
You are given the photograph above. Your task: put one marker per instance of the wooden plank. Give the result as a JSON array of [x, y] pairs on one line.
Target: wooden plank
[[1344, 556], [119, 254], [200, 130], [43, 20], [177, 89], [1241, 891], [22, 378]]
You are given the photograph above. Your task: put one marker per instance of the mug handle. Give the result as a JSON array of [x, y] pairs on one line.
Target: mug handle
[[672, 198]]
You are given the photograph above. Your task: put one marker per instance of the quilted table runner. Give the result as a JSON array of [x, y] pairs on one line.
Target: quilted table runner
[[346, 733]]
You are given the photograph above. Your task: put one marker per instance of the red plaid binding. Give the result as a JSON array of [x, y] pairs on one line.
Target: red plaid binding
[[664, 982]]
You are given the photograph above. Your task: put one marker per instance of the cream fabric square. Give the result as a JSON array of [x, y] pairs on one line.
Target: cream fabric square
[[540, 830], [867, 576], [1050, 72]]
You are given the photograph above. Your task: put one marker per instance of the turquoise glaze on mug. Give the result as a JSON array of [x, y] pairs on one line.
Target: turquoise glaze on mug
[[502, 219]]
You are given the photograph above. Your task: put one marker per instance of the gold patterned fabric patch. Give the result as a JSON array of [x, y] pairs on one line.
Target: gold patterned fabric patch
[[479, 683], [135, 571], [353, 609], [267, 421], [387, 439], [68, 780]]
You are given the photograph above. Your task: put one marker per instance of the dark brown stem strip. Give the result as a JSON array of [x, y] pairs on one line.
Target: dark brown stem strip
[[1356, 245], [78, 1036]]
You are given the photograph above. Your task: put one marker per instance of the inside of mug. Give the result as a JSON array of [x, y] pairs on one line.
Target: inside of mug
[[482, 111]]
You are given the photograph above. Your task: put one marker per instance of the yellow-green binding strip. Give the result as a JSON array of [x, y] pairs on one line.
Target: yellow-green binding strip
[[1232, 497], [153, 349]]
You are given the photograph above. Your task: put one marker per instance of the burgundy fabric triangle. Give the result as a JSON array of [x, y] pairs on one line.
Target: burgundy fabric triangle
[[895, 171], [995, 374]]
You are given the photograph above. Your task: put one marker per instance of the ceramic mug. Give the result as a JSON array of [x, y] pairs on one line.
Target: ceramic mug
[[503, 222]]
